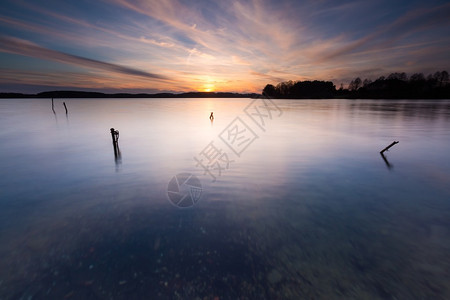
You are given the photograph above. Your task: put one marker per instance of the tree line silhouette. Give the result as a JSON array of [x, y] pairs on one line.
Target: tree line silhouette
[[394, 86]]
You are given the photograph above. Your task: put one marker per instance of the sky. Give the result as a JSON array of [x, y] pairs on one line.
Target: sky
[[150, 46]]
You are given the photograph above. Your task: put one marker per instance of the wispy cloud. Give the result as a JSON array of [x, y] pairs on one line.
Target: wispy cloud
[[22, 47], [388, 34], [270, 78]]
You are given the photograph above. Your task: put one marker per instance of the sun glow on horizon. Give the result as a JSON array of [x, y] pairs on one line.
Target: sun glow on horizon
[[208, 85]]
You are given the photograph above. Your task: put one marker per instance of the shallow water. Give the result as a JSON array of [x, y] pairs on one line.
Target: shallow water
[[294, 201]]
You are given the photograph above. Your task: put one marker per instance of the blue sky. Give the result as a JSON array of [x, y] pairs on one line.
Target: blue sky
[[238, 46]]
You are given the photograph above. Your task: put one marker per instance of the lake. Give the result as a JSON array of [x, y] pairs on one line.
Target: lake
[[272, 199]]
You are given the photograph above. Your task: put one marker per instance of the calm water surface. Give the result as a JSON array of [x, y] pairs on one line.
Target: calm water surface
[[309, 209]]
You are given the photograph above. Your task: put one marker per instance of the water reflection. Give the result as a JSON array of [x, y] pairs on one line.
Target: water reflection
[[430, 109], [308, 209], [389, 166], [117, 157]]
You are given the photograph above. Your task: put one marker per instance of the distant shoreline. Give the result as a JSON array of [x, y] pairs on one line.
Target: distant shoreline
[[81, 94], [98, 95]]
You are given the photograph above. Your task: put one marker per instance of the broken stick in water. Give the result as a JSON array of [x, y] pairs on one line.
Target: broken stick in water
[[387, 148], [65, 107]]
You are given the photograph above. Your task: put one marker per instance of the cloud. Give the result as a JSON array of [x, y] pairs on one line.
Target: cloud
[[229, 30], [411, 23], [26, 48], [268, 76], [239, 61], [157, 43]]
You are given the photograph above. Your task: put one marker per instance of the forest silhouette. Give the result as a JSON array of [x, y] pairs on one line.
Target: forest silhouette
[[394, 86]]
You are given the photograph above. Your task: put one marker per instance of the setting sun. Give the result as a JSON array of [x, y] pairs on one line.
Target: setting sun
[[208, 87]]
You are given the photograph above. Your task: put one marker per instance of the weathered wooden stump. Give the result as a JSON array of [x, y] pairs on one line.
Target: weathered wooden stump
[[115, 141]]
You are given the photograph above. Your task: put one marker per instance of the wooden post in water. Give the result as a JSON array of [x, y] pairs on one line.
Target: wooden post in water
[[115, 140], [65, 107], [387, 148], [114, 135], [53, 107]]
